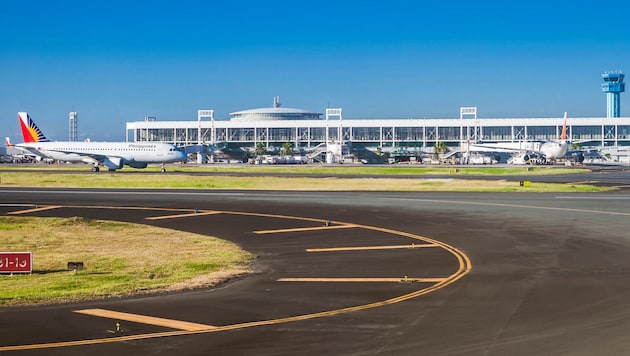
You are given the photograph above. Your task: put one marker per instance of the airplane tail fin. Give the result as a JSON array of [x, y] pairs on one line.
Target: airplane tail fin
[[8, 142], [30, 131], [564, 128]]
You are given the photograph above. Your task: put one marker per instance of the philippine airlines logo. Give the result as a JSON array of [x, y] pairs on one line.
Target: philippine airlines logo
[[30, 131]]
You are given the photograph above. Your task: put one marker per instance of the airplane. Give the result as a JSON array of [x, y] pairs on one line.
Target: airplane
[[545, 151], [113, 155]]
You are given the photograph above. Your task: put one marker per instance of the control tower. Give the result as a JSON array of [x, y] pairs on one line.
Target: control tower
[[613, 85], [73, 127]]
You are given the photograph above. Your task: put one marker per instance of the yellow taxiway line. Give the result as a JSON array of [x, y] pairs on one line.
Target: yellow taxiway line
[[299, 229], [463, 261], [34, 210], [364, 280], [136, 318], [201, 213], [363, 248]]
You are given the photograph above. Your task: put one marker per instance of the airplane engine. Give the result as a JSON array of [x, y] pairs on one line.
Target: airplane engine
[[113, 162], [88, 160], [137, 164]]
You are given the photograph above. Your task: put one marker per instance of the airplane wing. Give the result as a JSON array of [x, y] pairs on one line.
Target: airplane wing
[[29, 150], [501, 148], [114, 162]]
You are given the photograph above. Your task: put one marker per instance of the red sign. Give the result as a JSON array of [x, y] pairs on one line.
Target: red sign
[[16, 262]]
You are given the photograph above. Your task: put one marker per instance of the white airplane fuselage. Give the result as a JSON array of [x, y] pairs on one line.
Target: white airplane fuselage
[[554, 149], [550, 150], [113, 154]]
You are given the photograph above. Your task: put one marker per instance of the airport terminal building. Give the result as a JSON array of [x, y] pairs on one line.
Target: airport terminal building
[[274, 126]]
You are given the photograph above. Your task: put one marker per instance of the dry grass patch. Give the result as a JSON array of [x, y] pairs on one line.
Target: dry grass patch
[[415, 184], [183, 181], [119, 259]]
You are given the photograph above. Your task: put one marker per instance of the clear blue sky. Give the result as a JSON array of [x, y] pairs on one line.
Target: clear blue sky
[[117, 61]]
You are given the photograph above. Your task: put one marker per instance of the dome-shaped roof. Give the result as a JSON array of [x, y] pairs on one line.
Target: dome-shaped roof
[[274, 113]]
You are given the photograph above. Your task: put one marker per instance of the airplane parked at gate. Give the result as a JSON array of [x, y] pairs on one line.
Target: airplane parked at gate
[[113, 155], [545, 151]]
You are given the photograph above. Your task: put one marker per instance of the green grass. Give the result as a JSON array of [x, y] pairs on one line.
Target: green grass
[[119, 259]]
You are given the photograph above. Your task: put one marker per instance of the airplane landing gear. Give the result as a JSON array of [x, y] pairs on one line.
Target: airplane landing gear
[[95, 169]]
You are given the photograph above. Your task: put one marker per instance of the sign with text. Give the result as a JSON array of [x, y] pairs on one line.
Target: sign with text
[[16, 262]]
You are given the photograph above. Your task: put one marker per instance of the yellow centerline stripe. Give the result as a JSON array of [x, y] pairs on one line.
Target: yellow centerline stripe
[[364, 280], [125, 208], [362, 248], [277, 216], [299, 229], [136, 318], [34, 210], [211, 212], [251, 324]]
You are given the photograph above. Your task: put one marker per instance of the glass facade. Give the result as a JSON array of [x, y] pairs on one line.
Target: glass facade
[[518, 133], [586, 133], [448, 134], [156, 135], [221, 135], [409, 133], [302, 134], [346, 133], [333, 134], [366, 134], [282, 135], [378, 133], [318, 134], [542, 132], [496, 133], [192, 135], [276, 116], [240, 135]]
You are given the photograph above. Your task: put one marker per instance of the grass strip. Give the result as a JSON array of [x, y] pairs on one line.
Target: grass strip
[[324, 169], [119, 259], [184, 181]]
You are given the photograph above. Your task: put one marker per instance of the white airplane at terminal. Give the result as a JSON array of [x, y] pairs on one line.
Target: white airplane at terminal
[[548, 150], [113, 155]]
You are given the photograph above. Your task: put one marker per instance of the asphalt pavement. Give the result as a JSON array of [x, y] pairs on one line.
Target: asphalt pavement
[[391, 274]]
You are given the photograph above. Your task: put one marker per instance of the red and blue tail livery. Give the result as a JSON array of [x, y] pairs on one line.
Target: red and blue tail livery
[[30, 131]]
